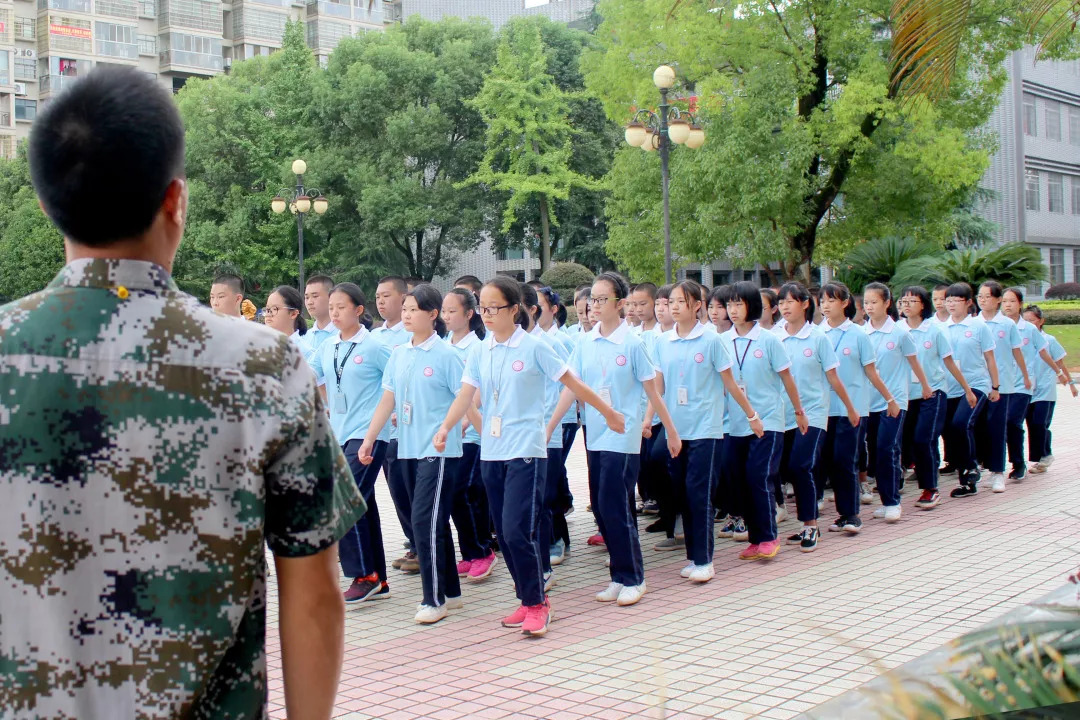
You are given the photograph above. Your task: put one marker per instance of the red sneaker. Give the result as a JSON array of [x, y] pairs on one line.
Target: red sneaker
[[537, 619], [481, 569], [928, 499], [464, 567], [516, 618], [750, 553], [768, 549], [596, 539], [363, 588]]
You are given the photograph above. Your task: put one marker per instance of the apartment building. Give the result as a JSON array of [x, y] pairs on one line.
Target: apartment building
[[499, 12], [1035, 173], [45, 45]]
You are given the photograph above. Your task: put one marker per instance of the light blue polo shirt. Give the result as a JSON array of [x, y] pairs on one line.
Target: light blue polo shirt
[[757, 358], [931, 348], [854, 351], [614, 366], [571, 416], [811, 358], [464, 346], [519, 370], [312, 341], [1006, 339], [361, 361], [554, 387], [1032, 343], [392, 337], [970, 338], [1046, 384], [427, 377], [693, 363], [893, 346]]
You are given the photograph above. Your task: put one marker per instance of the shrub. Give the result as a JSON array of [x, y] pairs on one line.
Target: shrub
[[1064, 291], [565, 277], [1061, 317]]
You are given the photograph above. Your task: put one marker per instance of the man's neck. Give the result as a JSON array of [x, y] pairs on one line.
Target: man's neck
[[942, 315], [391, 323], [139, 250], [322, 323], [648, 325]]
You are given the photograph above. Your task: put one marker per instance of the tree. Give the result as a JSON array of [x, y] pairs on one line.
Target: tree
[[808, 150], [31, 248], [1011, 264], [398, 133], [528, 139]]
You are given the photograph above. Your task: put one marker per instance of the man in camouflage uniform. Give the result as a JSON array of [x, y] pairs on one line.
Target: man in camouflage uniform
[[149, 448]]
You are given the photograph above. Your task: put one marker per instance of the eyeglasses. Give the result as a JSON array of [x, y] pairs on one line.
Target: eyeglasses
[[597, 301], [272, 311], [490, 310]]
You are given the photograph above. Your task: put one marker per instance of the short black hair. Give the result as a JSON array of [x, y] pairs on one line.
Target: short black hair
[[233, 282], [617, 282], [839, 291], [1018, 292], [773, 300], [510, 289], [664, 292], [115, 131], [996, 291], [798, 292], [470, 281], [325, 280], [646, 287], [412, 282], [397, 281], [940, 286], [919, 292], [750, 295]]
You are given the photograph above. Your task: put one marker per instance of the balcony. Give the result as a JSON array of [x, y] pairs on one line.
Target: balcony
[[81, 6], [126, 51], [374, 15], [199, 63], [55, 83], [5, 120], [329, 9]]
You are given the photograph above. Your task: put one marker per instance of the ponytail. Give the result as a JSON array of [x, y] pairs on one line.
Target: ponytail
[[530, 306], [428, 298], [293, 301], [469, 303]]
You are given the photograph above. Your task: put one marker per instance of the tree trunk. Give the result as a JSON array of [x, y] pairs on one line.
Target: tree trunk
[[545, 239], [418, 267]]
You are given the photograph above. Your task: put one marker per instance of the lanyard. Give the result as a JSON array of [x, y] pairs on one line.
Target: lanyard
[[839, 340], [497, 382], [746, 352], [340, 370]]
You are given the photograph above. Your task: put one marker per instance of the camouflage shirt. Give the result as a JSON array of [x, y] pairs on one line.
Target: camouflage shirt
[[148, 449]]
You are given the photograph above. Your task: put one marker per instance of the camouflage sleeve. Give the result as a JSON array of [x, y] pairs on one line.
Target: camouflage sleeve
[[312, 499]]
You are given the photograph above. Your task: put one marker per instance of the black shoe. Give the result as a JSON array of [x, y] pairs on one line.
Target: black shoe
[[949, 469], [796, 538], [809, 539], [964, 490], [1018, 473], [851, 525], [656, 527]]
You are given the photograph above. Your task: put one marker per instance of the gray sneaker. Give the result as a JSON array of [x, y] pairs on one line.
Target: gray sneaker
[[676, 543]]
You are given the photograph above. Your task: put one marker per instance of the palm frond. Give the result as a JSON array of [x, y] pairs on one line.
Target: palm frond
[[926, 39], [1063, 17]]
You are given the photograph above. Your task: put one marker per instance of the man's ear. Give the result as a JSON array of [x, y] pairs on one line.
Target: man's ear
[[176, 199]]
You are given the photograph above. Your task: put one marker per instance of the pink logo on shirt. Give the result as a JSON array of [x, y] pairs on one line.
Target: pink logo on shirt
[[969, 334], [928, 344], [699, 358], [358, 359], [1001, 333], [759, 354], [621, 360], [847, 351], [1027, 340], [890, 345], [428, 372], [518, 366], [808, 352]]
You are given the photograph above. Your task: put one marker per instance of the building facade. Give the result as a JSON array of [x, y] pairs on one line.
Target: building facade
[[45, 45], [498, 12], [1035, 173]]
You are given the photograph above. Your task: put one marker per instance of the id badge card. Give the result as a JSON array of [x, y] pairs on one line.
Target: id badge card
[[406, 413], [496, 426], [684, 396], [605, 394], [341, 406], [914, 377], [742, 386]]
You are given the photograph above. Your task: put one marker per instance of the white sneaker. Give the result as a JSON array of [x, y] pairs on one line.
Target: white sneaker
[[1047, 461], [702, 573], [865, 495], [427, 615], [997, 482], [607, 561], [454, 603], [549, 580], [781, 513], [789, 490], [1037, 469], [892, 513], [630, 594], [610, 594], [685, 572], [880, 512], [820, 505], [909, 475]]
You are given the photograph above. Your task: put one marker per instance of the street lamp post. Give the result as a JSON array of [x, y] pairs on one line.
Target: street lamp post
[[651, 131], [299, 201]]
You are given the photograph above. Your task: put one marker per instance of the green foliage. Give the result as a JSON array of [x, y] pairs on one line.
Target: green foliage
[[528, 139], [565, 278], [1009, 264], [880, 260], [31, 248], [807, 151]]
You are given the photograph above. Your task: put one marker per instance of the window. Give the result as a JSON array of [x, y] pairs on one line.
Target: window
[[1053, 120], [25, 109], [1074, 182], [5, 68], [1057, 266], [1074, 125], [146, 9], [1034, 289], [1030, 126], [694, 275], [512, 253], [1076, 264], [1031, 190], [147, 45], [25, 68], [25, 28], [722, 277], [116, 40], [1055, 191]]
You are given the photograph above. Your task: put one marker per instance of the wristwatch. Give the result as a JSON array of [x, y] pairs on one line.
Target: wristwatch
[[996, 387]]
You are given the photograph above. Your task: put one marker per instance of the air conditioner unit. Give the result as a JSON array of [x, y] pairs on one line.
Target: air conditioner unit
[[20, 88]]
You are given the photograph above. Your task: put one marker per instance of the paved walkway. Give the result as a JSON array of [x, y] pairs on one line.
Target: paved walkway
[[762, 640]]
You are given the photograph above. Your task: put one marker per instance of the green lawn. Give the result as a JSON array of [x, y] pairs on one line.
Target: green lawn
[[1069, 337]]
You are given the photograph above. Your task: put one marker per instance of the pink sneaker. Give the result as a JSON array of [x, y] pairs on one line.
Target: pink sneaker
[[596, 539], [481, 569], [750, 553], [537, 619], [464, 567], [768, 549], [516, 618]]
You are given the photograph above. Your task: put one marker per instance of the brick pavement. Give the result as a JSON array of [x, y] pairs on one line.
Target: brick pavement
[[762, 640]]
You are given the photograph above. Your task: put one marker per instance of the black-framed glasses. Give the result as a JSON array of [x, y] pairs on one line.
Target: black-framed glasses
[[272, 311], [597, 301], [490, 310]]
